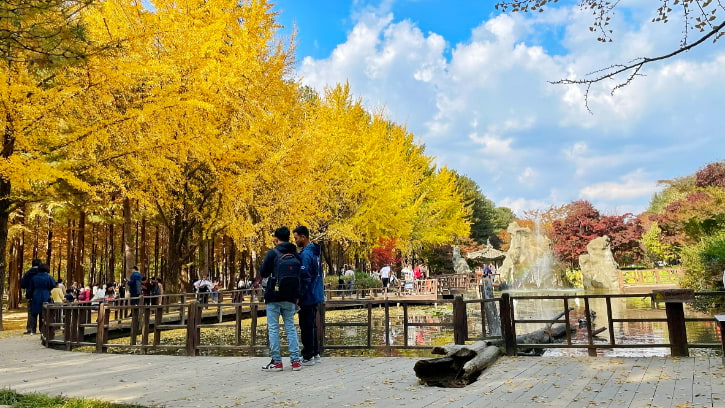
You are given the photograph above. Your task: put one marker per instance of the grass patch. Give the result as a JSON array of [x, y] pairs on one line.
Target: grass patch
[[12, 398]]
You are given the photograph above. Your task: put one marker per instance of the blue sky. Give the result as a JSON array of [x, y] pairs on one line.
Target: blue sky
[[471, 84]]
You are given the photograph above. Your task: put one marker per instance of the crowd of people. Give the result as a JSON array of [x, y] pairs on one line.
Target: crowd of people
[[40, 287], [410, 276]]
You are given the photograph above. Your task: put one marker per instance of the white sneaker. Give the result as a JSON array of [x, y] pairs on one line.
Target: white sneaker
[[317, 359]]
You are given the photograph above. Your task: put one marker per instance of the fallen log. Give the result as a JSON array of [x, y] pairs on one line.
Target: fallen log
[[548, 334], [461, 366]]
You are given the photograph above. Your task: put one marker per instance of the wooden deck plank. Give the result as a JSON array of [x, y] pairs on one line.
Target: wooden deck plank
[[647, 388], [178, 381], [631, 381]]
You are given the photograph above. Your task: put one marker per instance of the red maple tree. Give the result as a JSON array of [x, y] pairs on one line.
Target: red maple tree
[[384, 253], [583, 223]]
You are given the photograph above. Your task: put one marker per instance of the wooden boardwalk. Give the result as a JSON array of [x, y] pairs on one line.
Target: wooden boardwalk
[[512, 382]]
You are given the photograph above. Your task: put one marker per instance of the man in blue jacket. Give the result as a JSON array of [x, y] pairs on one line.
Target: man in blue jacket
[[312, 295], [41, 285], [134, 285], [26, 283]]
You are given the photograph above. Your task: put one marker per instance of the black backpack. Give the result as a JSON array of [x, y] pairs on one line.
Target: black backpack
[[284, 284]]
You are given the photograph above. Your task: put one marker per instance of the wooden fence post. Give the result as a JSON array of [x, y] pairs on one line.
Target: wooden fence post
[[676, 329], [721, 323], [590, 335], [320, 326], [460, 321], [387, 328], [507, 324], [191, 330], [101, 322]]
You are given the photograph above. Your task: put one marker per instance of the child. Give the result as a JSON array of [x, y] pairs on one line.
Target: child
[[69, 296]]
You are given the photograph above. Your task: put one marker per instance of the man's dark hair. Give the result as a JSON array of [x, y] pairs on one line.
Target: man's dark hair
[[135, 268], [302, 230], [282, 234], [36, 262]]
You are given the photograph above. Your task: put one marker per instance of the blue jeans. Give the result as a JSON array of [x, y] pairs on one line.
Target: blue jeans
[[287, 310]]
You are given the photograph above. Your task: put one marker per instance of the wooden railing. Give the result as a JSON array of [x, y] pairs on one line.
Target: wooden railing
[[457, 281], [655, 277], [85, 325]]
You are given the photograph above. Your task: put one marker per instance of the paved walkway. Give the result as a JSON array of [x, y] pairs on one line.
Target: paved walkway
[[169, 381]]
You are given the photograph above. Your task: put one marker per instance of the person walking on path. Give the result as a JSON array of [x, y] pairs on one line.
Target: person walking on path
[[25, 283], [42, 284], [312, 296], [385, 277], [282, 267]]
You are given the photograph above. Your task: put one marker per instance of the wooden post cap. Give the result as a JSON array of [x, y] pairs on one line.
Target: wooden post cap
[[673, 295]]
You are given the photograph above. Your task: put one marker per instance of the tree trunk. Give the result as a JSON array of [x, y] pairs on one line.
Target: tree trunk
[[16, 268], [95, 276], [49, 247], [143, 252], [80, 241], [128, 256], [13, 280], [326, 253], [4, 221], [111, 272], [243, 265], [232, 261], [461, 366], [69, 264], [156, 251], [36, 239]]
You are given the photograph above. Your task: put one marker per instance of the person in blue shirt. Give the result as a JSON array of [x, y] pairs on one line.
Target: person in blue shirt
[[312, 295], [25, 283], [41, 286]]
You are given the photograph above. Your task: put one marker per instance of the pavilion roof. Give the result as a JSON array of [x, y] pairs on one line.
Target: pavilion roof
[[486, 253]]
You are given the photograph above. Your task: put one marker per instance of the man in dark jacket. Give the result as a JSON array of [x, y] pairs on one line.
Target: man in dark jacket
[[278, 301], [42, 284], [25, 283], [312, 295], [134, 285]]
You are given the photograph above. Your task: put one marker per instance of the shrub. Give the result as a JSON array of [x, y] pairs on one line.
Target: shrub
[[704, 263]]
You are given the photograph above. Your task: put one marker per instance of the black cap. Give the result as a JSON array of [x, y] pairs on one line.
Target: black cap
[[36, 262]]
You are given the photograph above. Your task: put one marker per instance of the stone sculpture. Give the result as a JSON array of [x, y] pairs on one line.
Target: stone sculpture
[[459, 264], [599, 269]]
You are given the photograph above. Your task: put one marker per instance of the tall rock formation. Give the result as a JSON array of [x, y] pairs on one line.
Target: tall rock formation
[[599, 269], [529, 259]]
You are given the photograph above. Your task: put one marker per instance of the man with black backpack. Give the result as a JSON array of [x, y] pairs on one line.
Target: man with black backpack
[[281, 267]]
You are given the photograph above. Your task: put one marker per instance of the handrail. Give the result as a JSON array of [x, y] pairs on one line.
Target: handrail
[[79, 322]]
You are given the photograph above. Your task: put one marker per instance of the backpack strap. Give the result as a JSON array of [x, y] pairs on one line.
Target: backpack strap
[[278, 256]]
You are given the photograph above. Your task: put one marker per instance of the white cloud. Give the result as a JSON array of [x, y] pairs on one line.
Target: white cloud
[[528, 177], [632, 185], [519, 205], [485, 108]]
